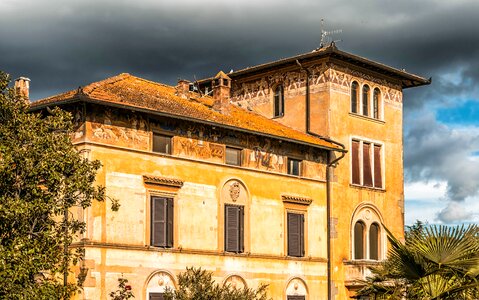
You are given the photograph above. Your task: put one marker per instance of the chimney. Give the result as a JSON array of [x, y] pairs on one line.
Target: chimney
[[182, 88], [221, 92], [22, 88]]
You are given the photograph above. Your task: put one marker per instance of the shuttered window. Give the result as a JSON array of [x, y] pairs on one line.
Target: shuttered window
[[295, 234], [366, 166], [161, 143], [376, 101], [354, 97], [359, 246], [374, 241], [156, 296], [378, 182], [234, 228], [162, 222], [367, 174], [355, 163], [294, 166], [233, 156]]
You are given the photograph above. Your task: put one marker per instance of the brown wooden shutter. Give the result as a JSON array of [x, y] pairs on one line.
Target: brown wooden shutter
[[295, 234], [296, 298], [169, 226], [158, 221], [367, 174], [354, 97], [232, 229], [355, 163], [378, 182], [241, 229]]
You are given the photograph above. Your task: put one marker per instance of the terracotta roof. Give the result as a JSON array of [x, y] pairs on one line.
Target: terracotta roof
[[139, 94], [407, 79]]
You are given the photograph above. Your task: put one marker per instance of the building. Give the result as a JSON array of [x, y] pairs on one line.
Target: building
[[240, 173]]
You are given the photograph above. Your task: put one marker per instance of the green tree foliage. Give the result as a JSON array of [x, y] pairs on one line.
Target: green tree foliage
[[198, 284], [123, 292], [435, 262], [42, 176]]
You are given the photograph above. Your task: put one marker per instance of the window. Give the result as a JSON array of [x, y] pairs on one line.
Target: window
[[354, 97], [161, 222], [161, 143], [367, 241], [366, 167], [374, 241], [296, 297], [295, 234], [294, 166], [233, 156], [359, 235], [376, 101], [366, 100], [278, 101], [234, 228]]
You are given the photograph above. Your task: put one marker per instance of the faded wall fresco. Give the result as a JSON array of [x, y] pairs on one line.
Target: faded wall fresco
[[198, 141], [116, 127], [258, 92]]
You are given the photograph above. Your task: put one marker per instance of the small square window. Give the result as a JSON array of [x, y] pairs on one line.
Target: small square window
[[233, 156], [294, 166], [161, 143]]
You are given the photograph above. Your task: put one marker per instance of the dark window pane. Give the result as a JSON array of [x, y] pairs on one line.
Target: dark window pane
[[294, 166], [278, 101], [359, 241], [296, 298], [376, 103], [377, 167], [374, 241], [355, 162], [367, 174], [366, 100], [161, 143], [233, 156], [354, 97], [295, 234]]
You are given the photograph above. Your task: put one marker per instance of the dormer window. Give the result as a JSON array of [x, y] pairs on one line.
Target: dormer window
[[366, 100], [278, 101]]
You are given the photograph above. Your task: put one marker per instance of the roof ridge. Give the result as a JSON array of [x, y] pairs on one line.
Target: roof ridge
[[89, 88]]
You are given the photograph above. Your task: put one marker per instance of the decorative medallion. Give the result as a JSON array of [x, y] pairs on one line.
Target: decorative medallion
[[235, 190]]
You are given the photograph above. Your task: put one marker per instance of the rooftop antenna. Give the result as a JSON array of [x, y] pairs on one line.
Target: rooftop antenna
[[326, 35]]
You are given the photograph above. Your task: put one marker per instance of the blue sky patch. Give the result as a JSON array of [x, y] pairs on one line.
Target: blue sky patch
[[467, 113]]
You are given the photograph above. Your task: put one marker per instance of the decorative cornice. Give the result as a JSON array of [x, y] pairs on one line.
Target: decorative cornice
[[162, 181], [296, 199]]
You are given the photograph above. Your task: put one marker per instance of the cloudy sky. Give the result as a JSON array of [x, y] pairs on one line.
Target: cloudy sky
[[61, 45]]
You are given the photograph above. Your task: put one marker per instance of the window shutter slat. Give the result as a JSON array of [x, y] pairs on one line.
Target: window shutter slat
[[367, 174], [169, 225], [377, 167], [158, 233], [355, 162]]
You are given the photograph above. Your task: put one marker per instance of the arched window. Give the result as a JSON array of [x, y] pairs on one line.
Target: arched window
[[278, 101], [354, 97], [376, 101], [374, 241], [366, 100], [359, 246]]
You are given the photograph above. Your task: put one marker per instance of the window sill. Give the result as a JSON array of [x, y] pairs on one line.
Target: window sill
[[367, 187], [362, 262], [367, 118]]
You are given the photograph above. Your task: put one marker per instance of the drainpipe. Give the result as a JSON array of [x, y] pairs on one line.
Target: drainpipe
[[328, 175]]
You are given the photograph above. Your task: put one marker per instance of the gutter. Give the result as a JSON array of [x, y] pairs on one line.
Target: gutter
[[329, 167]]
